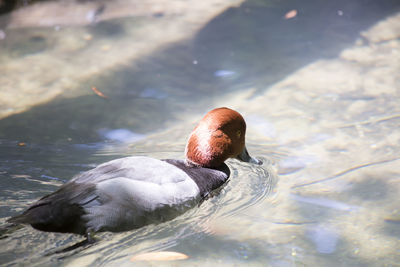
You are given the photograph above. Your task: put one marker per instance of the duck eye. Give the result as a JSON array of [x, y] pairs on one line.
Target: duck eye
[[238, 133]]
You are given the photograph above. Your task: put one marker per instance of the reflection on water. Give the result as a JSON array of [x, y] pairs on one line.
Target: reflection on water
[[324, 238], [319, 92], [121, 135], [327, 203]]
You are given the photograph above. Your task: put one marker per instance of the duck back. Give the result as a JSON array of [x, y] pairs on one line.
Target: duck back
[[123, 194]]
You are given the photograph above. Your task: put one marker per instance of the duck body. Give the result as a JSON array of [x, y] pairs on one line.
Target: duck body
[[124, 194], [131, 192]]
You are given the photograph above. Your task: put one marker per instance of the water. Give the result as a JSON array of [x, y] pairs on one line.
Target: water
[[319, 92]]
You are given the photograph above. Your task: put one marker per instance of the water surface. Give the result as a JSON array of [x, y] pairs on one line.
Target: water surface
[[320, 95]]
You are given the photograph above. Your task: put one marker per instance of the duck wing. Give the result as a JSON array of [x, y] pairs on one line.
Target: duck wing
[[118, 195]]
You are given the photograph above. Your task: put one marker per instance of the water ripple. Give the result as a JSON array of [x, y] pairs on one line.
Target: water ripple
[[249, 185]]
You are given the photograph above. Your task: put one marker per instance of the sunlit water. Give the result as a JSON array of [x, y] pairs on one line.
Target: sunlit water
[[320, 95], [249, 185]]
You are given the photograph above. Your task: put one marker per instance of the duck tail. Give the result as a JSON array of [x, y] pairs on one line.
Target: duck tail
[[19, 219], [36, 214], [60, 211]]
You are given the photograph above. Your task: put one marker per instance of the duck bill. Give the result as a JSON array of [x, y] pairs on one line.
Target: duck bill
[[245, 156]]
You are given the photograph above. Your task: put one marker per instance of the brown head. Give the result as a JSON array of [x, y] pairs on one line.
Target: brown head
[[218, 136]]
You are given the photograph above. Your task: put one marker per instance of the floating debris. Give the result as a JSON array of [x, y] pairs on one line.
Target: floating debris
[[160, 256], [98, 92], [291, 14]]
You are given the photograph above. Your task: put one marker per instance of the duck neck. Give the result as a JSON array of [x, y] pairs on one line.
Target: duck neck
[[207, 179]]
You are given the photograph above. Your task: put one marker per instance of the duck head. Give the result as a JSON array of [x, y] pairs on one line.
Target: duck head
[[218, 136]]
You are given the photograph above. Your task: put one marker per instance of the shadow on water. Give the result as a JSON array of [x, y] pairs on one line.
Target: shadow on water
[[80, 119], [250, 45], [265, 47], [363, 188]]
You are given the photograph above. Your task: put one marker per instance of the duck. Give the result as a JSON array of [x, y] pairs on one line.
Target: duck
[[131, 192]]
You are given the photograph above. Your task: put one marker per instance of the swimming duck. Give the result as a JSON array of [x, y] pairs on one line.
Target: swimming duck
[[131, 192]]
